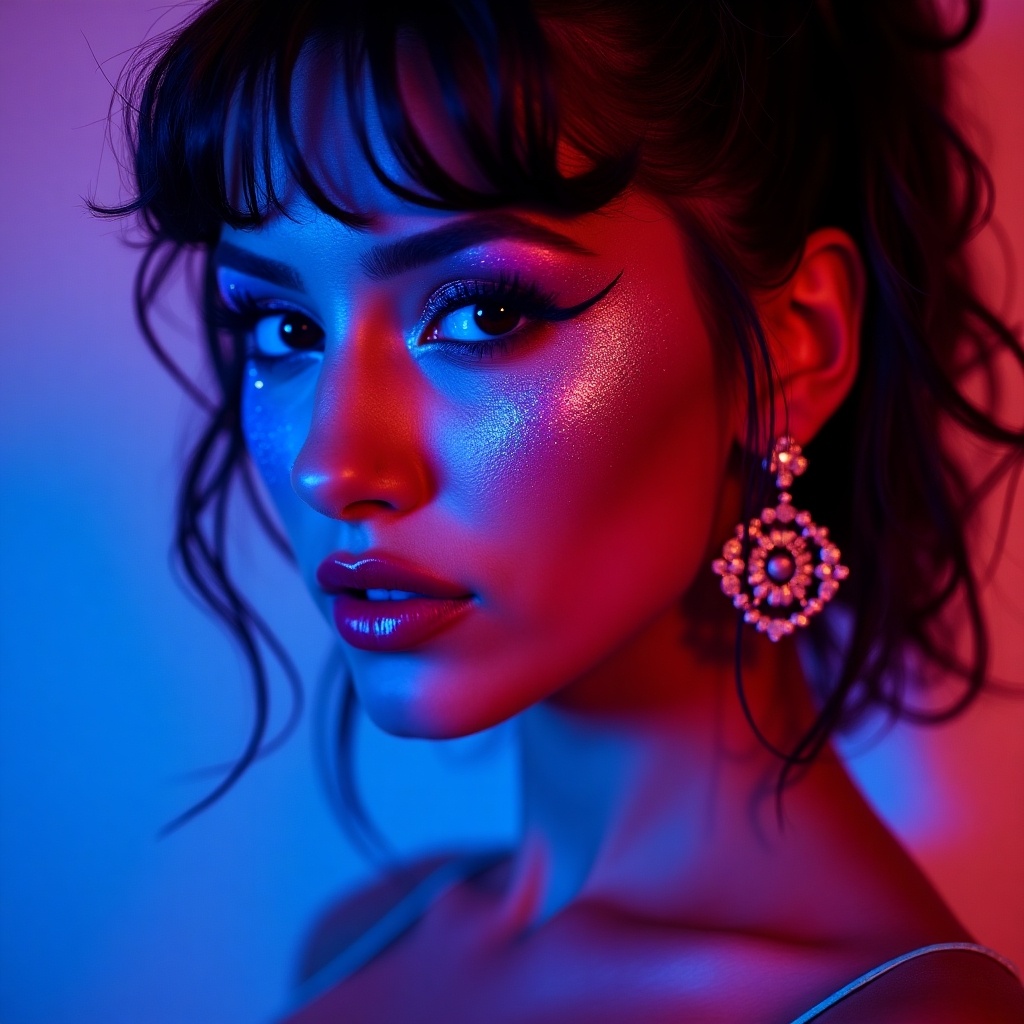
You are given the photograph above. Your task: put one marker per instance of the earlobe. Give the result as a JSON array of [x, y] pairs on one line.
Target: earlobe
[[813, 328]]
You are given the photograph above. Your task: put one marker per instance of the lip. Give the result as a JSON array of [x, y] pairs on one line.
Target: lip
[[390, 625]]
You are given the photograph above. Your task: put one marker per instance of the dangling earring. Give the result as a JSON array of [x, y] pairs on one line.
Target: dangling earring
[[792, 570]]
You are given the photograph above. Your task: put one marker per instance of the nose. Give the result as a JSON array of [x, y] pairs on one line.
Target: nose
[[364, 453]]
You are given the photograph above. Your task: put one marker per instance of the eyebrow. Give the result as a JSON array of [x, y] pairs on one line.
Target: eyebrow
[[228, 255], [389, 259]]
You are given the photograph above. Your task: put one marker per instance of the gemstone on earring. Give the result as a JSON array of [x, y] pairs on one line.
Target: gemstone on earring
[[780, 567], [791, 569]]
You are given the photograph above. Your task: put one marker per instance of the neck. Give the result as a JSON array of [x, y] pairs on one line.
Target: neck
[[645, 788]]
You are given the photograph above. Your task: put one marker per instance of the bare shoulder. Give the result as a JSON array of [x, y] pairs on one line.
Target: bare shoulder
[[347, 918], [947, 986]]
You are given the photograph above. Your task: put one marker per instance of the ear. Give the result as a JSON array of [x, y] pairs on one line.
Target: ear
[[812, 324]]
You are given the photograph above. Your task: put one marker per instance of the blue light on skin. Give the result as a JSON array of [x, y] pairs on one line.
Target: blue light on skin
[[273, 434], [514, 456], [575, 481]]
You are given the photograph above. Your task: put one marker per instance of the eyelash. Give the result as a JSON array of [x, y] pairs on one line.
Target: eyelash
[[241, 316], [245, 312], [531, 302]]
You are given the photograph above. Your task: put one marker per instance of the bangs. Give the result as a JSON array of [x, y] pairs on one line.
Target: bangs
[[216, 113]]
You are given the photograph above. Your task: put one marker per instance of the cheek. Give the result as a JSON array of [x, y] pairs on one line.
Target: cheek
[[539, 420], [277, 406], [579, 488], [593, 460]]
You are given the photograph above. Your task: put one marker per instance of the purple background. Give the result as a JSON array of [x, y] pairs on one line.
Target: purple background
[[115, 686]]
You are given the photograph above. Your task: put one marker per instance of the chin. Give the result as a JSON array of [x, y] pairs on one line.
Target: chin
[[406, 697]]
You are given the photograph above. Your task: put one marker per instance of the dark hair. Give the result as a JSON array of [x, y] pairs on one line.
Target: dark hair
[[758, 121]]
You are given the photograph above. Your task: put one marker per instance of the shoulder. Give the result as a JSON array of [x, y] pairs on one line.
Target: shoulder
[[346, 919], [945, 985]]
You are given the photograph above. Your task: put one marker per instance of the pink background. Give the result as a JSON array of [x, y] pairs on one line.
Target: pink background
[[114, 686]]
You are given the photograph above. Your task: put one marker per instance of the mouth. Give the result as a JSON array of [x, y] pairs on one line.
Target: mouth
[[382, 604]]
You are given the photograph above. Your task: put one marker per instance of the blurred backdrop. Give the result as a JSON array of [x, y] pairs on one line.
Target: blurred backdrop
[[115, 687]]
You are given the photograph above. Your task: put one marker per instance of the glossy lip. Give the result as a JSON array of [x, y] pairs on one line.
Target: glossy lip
[[386, 626]]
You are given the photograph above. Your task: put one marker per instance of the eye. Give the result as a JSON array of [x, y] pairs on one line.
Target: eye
[[281, 333], [480, 317], [478, 321]]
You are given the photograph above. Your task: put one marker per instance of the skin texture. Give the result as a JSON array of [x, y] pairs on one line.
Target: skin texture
[[557, 482], [576, 481]]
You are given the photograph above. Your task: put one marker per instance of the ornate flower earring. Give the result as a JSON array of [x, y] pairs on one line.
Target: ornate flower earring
[[791, 561]]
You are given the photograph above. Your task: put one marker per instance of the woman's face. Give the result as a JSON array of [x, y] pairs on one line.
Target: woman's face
[[495, 440]]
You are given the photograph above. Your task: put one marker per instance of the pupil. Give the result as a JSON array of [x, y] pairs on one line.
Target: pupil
[[300, 332], [495, 317]]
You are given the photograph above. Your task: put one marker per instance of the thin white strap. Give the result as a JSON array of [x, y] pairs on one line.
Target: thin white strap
[[866, 979]]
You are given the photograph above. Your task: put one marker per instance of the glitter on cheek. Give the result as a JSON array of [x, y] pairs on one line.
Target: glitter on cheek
[[606, 399], [550, 445], [275, 421], [477, 450], [603, 387], [515, 455]]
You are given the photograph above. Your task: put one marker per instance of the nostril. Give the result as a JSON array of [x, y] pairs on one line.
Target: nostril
[[365, 509]]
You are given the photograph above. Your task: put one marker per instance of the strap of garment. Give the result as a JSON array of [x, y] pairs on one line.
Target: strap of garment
[[890, 965], [394, 923]]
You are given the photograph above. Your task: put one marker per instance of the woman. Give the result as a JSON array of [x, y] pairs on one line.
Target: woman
[[526, 316]]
